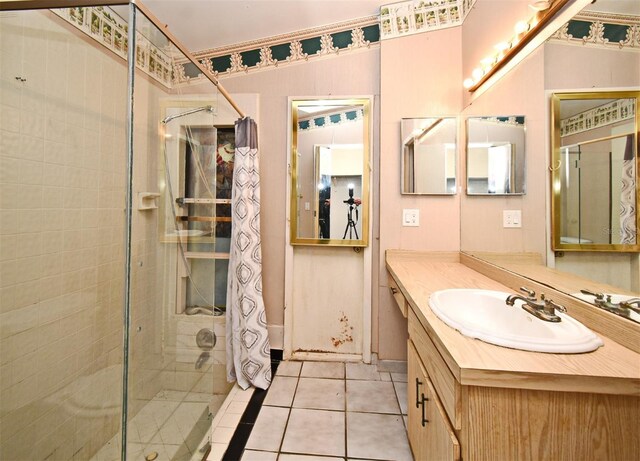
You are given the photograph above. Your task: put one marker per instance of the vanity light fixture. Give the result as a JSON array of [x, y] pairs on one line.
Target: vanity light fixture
[[525, 31]]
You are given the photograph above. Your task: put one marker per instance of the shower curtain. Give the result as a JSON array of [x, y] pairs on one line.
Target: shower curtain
[[628, 196], [248, 350]]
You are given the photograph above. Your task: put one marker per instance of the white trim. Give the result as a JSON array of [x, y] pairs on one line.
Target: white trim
[[276, 336], [325, 357], [288, 260]]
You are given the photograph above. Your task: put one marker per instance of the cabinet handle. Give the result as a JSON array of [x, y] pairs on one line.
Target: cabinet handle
[[394, 290], [418, 384], [424, 418]]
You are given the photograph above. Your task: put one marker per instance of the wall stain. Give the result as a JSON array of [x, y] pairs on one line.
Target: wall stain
[[346, 332]]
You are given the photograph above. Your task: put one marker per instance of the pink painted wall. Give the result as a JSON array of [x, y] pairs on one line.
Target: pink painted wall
[[520, 92], [421, 76]]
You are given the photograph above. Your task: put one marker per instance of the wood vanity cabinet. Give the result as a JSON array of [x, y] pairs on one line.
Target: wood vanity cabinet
[[430, 433], [449, 421], [471, 400]]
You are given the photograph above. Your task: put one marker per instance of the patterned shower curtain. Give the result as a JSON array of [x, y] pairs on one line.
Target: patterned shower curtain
[[628, 196], [248, 350]]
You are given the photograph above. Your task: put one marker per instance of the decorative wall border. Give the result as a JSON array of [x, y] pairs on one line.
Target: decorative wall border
[[107, 28], [283, 49], [605, 30], [335, 118], [607, 114], [416, 16], [516, 120]]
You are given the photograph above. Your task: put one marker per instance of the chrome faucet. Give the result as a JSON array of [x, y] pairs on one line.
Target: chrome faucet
[[622, 308], [602, 300], [545, 309], [631, 304]]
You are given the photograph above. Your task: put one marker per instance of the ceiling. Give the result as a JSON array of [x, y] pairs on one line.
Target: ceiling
[[205, 24]]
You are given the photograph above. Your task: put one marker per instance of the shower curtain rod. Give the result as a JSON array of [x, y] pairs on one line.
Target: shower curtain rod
[[164, 28]]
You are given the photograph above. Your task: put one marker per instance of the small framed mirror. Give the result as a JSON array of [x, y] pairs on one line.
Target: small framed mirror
[[594, 164], [496, 155], [330, 161], [429, 152]]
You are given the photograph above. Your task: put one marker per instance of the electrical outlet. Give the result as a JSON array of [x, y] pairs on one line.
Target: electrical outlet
[[511, 218], [410, 217]]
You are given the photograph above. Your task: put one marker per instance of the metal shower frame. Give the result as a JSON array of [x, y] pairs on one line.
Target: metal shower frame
[[18, 5]]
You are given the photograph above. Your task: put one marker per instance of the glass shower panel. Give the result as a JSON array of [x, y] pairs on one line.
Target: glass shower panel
[[63, 100], [177, 378]]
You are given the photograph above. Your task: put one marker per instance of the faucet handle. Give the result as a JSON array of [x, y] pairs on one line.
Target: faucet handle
[[598, 296], [528, 292], [553, 306]]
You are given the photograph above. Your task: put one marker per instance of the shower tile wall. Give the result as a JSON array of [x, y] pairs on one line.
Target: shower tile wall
[[62, 182]]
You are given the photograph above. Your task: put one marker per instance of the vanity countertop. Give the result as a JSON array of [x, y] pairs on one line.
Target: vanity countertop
[[611, 369]]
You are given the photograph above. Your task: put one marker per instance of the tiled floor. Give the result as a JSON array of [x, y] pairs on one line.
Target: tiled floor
[[325, 411]]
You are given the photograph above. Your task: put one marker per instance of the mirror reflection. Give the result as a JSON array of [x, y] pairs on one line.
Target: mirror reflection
[[496, 155], [330, 178], [594, 172], [429, 149]]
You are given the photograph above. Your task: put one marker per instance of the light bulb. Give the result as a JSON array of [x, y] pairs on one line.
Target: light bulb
[[468, 83], [487, 62], [502, 46], [521, 27], [477, 74]]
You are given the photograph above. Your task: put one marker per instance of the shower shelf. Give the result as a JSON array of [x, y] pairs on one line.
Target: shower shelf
[[147, 200]]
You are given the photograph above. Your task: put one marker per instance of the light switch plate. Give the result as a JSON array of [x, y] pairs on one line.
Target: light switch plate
[[410, 217], [511, 218]]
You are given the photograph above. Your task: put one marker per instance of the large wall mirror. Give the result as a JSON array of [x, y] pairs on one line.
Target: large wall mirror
[[595, 171], [496, 155], [588, 69], [429, 151], [330, 158]]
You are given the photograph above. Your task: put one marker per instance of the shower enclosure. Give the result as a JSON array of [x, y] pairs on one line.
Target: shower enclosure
[[114, 226]]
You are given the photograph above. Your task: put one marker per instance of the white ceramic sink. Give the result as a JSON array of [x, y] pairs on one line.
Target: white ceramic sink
[[483, 314]]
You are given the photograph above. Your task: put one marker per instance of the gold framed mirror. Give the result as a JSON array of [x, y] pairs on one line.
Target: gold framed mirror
[[330, 162], [594, 165]]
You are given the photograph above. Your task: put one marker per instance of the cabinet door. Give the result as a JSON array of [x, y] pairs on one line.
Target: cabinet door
[[430, 434]]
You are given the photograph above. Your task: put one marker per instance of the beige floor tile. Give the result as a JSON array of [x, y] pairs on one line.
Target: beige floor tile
[[375, 436], [315, 432], [399, 377], [401, 393], [253, 455], [290, 457], [281, 391], [333, 370], [362, 371], [372, 397], [268, 430], [320, 394], [289, 368]]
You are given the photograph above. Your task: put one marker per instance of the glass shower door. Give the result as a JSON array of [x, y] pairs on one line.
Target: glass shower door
[[176, 367]]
